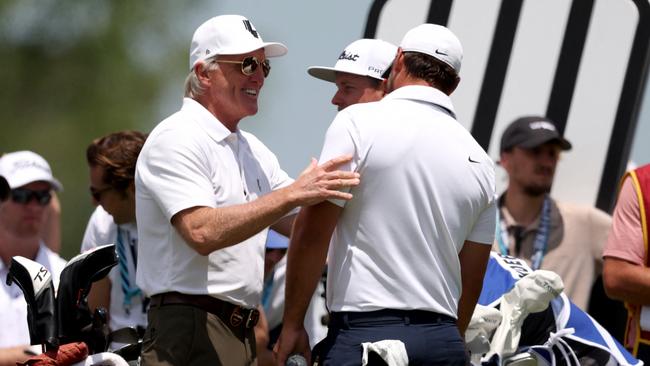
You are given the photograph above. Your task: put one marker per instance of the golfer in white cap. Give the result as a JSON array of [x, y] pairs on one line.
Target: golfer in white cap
[[206, 192], [408, 252], [30, 186], [359, 73]]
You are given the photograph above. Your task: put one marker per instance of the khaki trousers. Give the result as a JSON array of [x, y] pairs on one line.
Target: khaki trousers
[[183, 335]]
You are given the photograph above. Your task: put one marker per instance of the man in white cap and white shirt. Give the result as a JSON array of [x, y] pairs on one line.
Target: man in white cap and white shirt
[[22, 218], [408, 256], [359, 73], [206, 192]]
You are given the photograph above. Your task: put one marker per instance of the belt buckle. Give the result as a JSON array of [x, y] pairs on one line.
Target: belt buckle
[[236, 317]]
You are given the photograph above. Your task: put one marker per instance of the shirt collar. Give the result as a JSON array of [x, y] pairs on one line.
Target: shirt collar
[[425, 94], [556, 218], [206, 120]]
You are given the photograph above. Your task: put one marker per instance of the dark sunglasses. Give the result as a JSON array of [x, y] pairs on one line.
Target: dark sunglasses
[[97, 193], [250, 64], [24, 196]]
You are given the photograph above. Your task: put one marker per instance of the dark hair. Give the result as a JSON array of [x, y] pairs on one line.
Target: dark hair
[[117, 153], [435, 72]]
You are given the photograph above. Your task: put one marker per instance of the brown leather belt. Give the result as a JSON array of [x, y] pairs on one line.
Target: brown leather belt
[[231, 314]]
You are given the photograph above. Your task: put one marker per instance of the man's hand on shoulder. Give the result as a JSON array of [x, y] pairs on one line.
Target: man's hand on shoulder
[[318, 183]]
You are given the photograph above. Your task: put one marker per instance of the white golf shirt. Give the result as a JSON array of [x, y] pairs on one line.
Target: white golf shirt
[[426, 187], [191, 159]]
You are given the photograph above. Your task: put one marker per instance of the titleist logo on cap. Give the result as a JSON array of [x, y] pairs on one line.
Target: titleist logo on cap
[[18, 165], [345, 55]]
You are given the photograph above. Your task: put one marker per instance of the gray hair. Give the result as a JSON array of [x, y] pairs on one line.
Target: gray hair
[[193, 87]]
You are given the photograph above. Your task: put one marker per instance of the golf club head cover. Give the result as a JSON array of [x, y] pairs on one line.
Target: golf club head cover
[[74, 319], [38, 289]]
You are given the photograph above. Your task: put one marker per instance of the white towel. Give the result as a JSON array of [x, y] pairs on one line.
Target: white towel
[[481, 327], [531, 294], [103, 359], [392, 351]]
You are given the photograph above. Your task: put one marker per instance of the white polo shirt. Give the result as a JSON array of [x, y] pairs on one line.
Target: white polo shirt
[[426, 187], [13, 314], [191, 159], [102, 230]]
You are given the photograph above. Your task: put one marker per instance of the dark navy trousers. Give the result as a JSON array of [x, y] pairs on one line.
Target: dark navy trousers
[[429, 338]]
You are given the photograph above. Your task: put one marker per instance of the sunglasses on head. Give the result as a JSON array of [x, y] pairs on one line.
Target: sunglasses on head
[[24, 196], [250, 64]]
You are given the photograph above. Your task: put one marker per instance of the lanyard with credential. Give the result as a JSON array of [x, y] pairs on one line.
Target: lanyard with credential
[[541, 239], [129, 289]]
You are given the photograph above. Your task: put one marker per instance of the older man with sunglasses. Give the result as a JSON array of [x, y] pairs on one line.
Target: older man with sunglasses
[[22, 217], [206, 193]]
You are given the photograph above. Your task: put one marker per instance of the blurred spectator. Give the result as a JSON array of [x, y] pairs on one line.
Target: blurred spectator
[[22, 218], [275, 267], [51, 234], [626, 274], [272, 302], [111, 160], [560, 237]]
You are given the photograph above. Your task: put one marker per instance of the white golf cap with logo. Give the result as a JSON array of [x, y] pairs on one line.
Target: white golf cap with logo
[[436, 41], [229, 35], [23, 167], [365, 57]]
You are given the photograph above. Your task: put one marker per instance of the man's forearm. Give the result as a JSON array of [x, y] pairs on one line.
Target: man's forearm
[[307, 254], [473, 262], [208, 229]]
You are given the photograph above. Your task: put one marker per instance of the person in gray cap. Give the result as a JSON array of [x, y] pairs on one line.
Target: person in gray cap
[[206, 192], [408, 253], [22, 218], [564, 238], [359, 73]]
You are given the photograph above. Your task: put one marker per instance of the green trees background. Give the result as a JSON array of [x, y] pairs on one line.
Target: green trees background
[[74, 70]]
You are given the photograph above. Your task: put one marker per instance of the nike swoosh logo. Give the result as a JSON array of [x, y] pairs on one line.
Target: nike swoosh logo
[[440, 52], [472, 161]]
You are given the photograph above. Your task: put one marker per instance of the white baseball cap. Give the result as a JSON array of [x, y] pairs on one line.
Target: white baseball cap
[[229, 35], [365, 57], [436, 41], [23, 167]]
